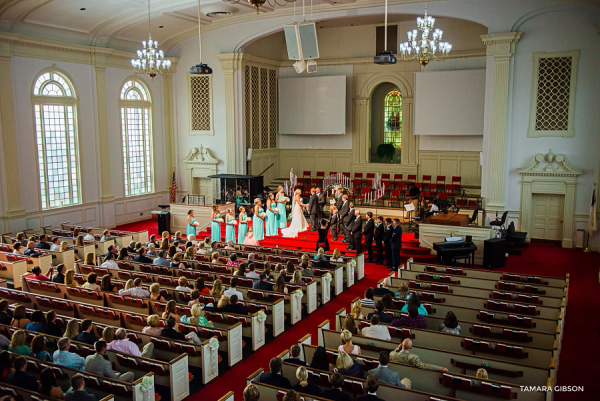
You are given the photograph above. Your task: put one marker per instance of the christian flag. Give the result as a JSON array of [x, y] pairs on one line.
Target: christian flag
[[593, 222], [173, 189]]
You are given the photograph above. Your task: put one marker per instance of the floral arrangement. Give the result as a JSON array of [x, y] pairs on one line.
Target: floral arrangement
[[285, 200], [220, 220], [263, 215], [248, 219], [276, 210], [234, 222], [298, 293], [147, 383], [213, 343], [327, 276], [262, 316], [352, 263]]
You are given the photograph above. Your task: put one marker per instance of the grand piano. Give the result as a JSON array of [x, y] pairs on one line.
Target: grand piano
[[451, 249]]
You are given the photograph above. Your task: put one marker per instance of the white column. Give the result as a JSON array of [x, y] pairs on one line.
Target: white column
[[500, 48], [103, 139], [169, 123]]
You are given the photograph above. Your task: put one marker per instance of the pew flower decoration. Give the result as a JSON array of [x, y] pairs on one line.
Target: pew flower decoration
[[261, 316], [298, 293], [213, 343], [213, 347], [328, 277], [352, 263], [147, 383]]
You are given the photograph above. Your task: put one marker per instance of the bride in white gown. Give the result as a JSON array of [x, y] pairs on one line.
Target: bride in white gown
[[299, 223]]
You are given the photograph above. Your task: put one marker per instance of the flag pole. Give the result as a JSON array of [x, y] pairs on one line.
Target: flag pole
[[592, 216]]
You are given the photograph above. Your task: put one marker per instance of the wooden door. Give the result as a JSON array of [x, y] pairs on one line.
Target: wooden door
[[547, 217]]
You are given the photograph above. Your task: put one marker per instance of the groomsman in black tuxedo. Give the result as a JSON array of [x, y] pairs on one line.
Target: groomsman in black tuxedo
[[321, 198], [339, 199], [356, 232], [347, 220], [334, 223], [387, 238], [312, 209], [379, 234], [368, 234], [344, 209], [396, 244]]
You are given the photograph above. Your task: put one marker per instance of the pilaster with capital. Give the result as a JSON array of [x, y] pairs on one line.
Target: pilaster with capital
[[99, 62], [500, 48]]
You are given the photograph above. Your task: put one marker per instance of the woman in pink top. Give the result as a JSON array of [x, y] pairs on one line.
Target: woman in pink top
[[37, 274]]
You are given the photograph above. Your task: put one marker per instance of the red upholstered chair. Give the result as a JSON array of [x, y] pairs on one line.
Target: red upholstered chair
[[358, 176], [385, 176], [346, 174], [357, 183], [401, 185], [397, 177], [412, 178], [426, 178], [394, 197], [456, 179], [307, 174], [332, 172], [320, 175], [441, 182], [363, 192]]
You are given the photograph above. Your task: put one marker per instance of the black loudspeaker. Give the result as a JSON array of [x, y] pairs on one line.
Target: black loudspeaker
[[494, 253], [164, 222], [469, 238]]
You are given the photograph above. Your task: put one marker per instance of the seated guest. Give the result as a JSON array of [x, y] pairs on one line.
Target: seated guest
[[356, 310], [161, 260], [252, 273], [50, 327], [105, 236], [89, 237], [304, 385], [170, 331], [30, 251], [131, 247], [368, 300], [319, 360], [77, 392], [121, 343], [17, 249], [215, 258], [182, 284], [234, 306], [274, 378], [55, 247], [38, 348], [20, 378], [297, 278], [295, 358], [72, 329], [151, 250], [232, 290], [233, 261], [305, 270], [59, 277], [37, 274], [109, 262], [412, 320], [383, 374], [142, 258], [18, 343], [90, 259], [229, 245], [102, 367], [280, 284], [348, 347], [376, 331], [241, 270], [42, 244], [347, 366], [176, 261], [414, 299], [113, 249], [383, 317], [372, 386], [171, 310], [37, 318], [155, 294], [63, 357], [202, 289], [90, 283], [86, 335], [402, 354], [49, 387], [137, 290], [403, 292], [262, 284], [450, 324], [321, 262], [335, 392], [106, 284], [123, 255], [350, 325], [152, 329], [19, 320], [4, 316], [251, 393], [383, 290]]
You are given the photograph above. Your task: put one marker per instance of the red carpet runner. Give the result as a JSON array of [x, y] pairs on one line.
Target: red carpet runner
[[580, 351]]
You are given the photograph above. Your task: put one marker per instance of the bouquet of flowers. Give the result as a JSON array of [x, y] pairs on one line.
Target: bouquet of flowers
[[285, 200], [196, 224], [276, 210], [263, 215], [220, 220], [248, 219], [234, 222]]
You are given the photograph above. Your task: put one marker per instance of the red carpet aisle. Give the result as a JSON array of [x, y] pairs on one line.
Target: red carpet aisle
[[580, 351]]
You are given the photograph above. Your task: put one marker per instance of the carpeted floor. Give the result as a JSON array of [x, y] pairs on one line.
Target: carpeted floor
[[580, 351]]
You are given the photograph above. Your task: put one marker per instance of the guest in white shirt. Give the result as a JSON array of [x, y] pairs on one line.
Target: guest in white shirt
[[109, 261], [55, 244], [151, 250], [136, 291], [89, 236], [376, 331], [17, 249], [90, 283], [161, 260], [183, 284], [252, 273], [192, 239], [232, 290]]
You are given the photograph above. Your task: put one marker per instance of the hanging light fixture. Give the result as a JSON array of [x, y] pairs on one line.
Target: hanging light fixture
[[150, 60], [258, 3], [426, 48], [200, 68]]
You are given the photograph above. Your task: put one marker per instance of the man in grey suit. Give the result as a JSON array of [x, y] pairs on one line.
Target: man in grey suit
[[98, 365], [321, 198], [313, 208], [383, 374], [343, 212]]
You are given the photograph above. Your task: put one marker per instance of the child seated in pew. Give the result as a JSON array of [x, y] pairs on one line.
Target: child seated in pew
[[450, 324], [403, 292]]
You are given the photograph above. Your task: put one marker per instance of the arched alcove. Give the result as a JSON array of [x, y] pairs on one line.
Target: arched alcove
[[379, 123]]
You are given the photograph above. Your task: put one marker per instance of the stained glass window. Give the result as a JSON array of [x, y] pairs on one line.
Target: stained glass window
[[393, 119], [54, 106], [136, 129]]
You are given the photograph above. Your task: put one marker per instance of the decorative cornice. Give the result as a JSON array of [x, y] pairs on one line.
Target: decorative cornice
[[200, 156], [501, 44], [556, 166]]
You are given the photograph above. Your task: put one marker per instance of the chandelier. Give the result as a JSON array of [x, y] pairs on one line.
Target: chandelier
[[426, 48], [150, 60], [258, 3]]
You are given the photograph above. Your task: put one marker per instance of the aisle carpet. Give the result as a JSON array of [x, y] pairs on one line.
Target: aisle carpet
[[580, 350]]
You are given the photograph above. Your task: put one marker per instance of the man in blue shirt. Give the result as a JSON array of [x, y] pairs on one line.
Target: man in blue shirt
[[63, 357]]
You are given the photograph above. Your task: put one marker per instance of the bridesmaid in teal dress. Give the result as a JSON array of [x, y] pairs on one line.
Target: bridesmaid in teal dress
[[242, 225], [271, 223], [282, 221], [230, 226], [191, 226], [215, 226], [258, 222]]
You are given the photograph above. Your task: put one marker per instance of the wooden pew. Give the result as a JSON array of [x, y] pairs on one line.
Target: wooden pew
[[430, 381], [13, 271], [43, 261], [172, 374], [19, 393], [122, 238], [67, 257], [226, 397]]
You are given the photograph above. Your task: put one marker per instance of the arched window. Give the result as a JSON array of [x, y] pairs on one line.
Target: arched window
[[136, 128], [392, 114], [54, 106]]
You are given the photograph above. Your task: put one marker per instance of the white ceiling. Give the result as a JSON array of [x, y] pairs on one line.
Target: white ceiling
[[122, 24]]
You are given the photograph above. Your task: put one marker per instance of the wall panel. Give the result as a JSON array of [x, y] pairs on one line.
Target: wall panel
[[463, 164]]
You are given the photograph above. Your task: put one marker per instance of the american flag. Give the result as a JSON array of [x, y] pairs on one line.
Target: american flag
[[173, 189]]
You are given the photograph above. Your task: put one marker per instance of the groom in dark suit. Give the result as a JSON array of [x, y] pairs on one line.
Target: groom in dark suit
[[387, 238], [321, 198], [356, 233], [379, 234], [396, 242], [312, 209], [347, 220], [343, 212], [368, 234]]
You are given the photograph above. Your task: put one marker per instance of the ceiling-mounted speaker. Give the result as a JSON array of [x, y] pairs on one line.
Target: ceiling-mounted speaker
[[311, 66], [292, 40], [300, 66], [301, 41]]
